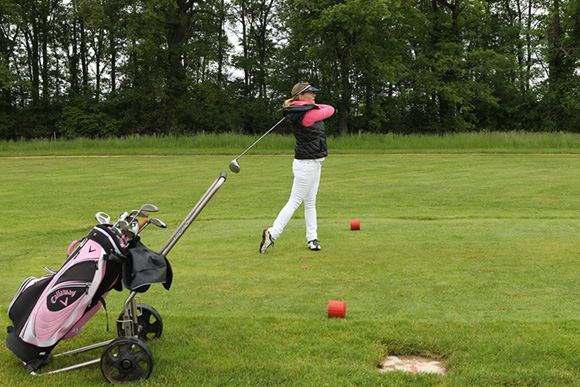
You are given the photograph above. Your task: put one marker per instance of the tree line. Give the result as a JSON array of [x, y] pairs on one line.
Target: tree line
[[96, 68]]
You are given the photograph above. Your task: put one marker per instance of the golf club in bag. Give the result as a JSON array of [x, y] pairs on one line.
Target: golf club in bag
[[234, 165], [46, 310]]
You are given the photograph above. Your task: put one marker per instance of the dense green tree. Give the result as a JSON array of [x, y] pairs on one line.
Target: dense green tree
[[256, 27], [256, 20], [7, 78], [121, 67], [503, 34], [452, 67], [561, 106], [343, 39], [7, 37]]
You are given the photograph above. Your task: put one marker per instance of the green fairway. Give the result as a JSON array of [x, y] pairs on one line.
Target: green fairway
[[468, 258]]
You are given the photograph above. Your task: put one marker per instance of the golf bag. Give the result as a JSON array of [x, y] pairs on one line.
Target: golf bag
[[56, 307]]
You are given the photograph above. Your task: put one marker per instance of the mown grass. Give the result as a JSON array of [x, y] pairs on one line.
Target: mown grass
[[466, 257], [217, 144]]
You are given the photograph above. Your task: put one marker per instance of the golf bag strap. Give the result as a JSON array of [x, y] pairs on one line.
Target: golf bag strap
[[102, 301]]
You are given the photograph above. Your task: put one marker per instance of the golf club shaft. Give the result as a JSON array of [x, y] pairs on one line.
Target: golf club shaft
[[193, 214], [264, 135]]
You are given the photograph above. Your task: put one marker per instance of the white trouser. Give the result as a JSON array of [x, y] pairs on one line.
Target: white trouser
[[304, 189]]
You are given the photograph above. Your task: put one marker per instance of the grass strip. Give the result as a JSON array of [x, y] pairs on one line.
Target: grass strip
[[230, 144], [466, 257]]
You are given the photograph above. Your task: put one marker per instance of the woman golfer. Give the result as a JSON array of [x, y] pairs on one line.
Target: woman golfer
[[309, 152]]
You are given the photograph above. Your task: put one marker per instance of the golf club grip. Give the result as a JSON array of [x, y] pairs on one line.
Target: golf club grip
[[193, 214]]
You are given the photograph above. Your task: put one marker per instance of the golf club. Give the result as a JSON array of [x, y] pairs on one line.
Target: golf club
[[122, 217], [137, 213], [142, 212], [154, 221], [149, 208], [234, 165], [158, 222], [125, 229], [102, 218]]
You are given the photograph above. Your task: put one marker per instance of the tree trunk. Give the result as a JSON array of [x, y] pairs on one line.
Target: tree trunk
[[33, 54], [220, 54], [84, 57], [556, 58], [45, 78], [346, 92]]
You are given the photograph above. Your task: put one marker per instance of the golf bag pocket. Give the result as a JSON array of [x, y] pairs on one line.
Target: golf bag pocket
[[30, 283]]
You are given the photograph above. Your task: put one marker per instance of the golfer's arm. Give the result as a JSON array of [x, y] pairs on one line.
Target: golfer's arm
[[314, 115]]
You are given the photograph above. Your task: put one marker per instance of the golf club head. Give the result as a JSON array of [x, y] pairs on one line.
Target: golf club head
[[128, 233], [235, 166], [158, 222], [149, 208], [117, 231], [122, 225], [102, 218], [134, 227]]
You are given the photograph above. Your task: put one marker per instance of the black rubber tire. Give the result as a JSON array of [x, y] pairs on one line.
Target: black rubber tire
[[149, 323], [126, 360]]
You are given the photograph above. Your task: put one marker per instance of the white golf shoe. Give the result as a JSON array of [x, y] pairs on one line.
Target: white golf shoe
[[267, 241], [313, 245]]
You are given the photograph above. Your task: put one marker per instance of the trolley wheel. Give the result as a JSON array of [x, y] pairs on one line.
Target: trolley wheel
[[126, 360], [149, 323]]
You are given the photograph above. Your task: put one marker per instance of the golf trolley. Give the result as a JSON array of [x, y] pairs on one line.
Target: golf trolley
[[56, 306]]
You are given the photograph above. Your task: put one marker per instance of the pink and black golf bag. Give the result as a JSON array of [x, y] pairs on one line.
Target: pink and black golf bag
[[55, 307]]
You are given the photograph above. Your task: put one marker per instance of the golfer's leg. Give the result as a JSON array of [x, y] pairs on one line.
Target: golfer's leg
[[310, 203], [300, 188]]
